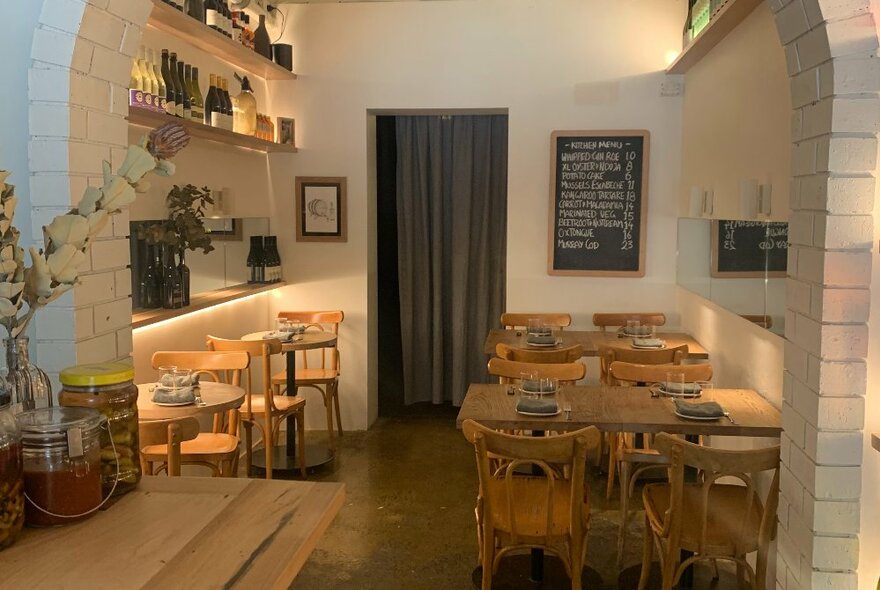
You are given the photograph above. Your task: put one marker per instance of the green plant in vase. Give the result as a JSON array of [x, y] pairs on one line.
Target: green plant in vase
[[183, 230]]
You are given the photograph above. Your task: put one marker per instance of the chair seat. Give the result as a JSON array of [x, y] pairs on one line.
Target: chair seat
[[724, 522], [283, 403], [530, 497], [206, 443], [307, 376]]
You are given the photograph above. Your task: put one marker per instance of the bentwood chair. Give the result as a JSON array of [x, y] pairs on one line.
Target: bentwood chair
[[325, 377], [262, 408], [609, 354], [161, 440], [618, 320], [710, 519], [631, 460], [217, 450], [569, 354], [516, 512], [512, 321], [511, 371]]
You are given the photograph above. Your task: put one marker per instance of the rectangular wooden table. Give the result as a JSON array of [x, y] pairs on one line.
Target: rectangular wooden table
[[182, 532], [590, 340], [623, 409]]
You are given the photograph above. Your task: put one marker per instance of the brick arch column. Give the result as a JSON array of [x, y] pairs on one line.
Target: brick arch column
[[830, 47], [77, 89]]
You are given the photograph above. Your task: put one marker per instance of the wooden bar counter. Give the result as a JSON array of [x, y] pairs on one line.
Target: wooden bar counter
[[181, 532]]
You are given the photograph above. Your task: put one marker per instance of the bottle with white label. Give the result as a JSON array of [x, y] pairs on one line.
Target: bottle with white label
[[170, 94], [160, 81], [212, 14], [213, 109]]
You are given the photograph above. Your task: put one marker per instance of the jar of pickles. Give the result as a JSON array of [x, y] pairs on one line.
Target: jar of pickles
[[61, 451], [109, 388], [11, 475]]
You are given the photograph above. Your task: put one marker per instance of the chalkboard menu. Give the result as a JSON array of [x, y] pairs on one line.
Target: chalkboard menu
[[749, 248], [598, 202]]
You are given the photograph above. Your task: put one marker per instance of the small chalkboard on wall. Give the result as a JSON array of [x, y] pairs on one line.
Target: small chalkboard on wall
[[598, 203], [749, 249]]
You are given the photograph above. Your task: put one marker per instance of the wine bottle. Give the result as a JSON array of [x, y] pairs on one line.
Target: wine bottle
[[184, 87], [198, 105], [255, 260], [226, 23], [227, 104], [172, 289], [212, 14], [160, 99], [211, 101], [262, 44], [273, 260], [146, 82], [149, 287], [196, 9], [137, 80], [177, 83], [185, 276], [170, 94]]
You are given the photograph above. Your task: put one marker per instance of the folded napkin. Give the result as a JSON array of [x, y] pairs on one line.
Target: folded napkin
[[169, 381], [678, 387], [278, 336], [537, 406], [640, 331], [541, 339], [649, 342], [534, 386], [165, 395], [699, 410]]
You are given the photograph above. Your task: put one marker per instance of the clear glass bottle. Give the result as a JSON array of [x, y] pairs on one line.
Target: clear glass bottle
[[30, 386], [11, 472], [244, 109]]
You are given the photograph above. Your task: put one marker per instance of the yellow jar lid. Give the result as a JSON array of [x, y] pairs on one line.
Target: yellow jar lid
[[96, 375]]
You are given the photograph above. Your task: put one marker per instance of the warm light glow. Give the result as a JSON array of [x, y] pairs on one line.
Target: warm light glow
[[670, 57], [197, 312]]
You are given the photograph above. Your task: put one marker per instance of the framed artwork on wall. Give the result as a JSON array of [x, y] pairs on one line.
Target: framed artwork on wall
[[321, 212]]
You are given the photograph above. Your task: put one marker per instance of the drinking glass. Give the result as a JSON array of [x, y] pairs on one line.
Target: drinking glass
[[705, 385], [181, 379], [298, 330], [166, 375], [549, 385], [632, 327], [525, 376], [282, 325], [675, 382], [535, 325]]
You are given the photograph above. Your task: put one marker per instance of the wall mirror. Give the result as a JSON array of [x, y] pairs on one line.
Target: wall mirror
[[738, 265], [225, 266]]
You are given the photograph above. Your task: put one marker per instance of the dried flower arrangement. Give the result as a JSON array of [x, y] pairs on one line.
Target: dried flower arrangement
[[55, 269]]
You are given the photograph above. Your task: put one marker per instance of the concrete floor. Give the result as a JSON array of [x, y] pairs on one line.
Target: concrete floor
[[408, 520]]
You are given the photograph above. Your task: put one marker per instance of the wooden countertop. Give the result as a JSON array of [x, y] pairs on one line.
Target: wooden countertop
[[182, 532]]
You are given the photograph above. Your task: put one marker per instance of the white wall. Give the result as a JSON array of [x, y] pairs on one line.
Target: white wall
[[535, 59]]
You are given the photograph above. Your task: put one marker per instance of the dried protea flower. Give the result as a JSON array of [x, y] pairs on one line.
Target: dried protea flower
[[167, 140]]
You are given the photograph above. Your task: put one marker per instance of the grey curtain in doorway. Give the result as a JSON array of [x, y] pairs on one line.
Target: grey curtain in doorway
[[452, 233]]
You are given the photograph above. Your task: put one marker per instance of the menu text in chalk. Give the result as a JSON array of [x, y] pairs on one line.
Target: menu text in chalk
[[749, 249], [598, 201]]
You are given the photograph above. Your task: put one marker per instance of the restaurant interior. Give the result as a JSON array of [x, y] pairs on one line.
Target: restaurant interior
[[325, 294]]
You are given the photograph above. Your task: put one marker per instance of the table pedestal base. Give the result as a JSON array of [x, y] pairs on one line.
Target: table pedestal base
[[316, 456], [514, 573]]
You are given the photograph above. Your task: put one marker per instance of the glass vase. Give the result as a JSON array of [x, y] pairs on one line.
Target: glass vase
[[29, 384]]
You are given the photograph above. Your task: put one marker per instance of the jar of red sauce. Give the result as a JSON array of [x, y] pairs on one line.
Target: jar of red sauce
[[11, 475], [61, 449]]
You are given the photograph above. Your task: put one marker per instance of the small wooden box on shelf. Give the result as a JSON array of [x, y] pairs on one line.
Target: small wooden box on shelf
[[169, 20]]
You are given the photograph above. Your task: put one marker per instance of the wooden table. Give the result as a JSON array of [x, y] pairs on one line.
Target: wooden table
[[590, 341], [217, 397], [284, 459], [623, 409], [182, 532]]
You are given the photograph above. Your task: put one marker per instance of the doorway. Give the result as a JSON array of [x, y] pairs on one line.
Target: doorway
[[441, 216]]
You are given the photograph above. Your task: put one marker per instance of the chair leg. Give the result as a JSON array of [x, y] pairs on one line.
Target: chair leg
[[336, 404], [612, 464], [487, 558], [249, 448], [670, 566], [328, 409], [647, 556], [623, 478], [301, 436], [267, 443]]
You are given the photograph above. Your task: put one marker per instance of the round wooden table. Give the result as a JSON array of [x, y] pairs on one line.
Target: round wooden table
[[284, 458], [217, 397]]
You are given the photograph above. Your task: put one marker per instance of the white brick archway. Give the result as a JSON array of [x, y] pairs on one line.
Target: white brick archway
[[78, 91], [830, 48]]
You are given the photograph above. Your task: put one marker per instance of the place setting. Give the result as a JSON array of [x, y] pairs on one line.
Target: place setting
[[539, 397], [680, 391], [176, 387], [539, 335], [285, 331]]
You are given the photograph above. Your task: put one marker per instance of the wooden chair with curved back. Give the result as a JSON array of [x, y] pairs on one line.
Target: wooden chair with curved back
[[569, 354], [512, 321], [515, 513], [618, 320], [217, 450], [161, 441], [710, 519], [262, 408], [632, 461], [323, 378], [511, 371]]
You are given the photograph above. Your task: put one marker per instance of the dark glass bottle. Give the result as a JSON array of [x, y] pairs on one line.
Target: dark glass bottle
[[262, 44], [256, 260], [687, 35], [184, 86], [212, 14], [183, 272], [178, 85], [172, 290], [211, 101], [273, 260], [196, 9], [198, 105], [170, 93], [150, 287]]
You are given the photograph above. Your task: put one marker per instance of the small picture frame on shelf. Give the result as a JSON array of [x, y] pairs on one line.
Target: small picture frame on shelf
[[321, 209], [286, 131]]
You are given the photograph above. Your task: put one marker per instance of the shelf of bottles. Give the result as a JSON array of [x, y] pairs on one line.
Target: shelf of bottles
[[225, 38], [706, 24]]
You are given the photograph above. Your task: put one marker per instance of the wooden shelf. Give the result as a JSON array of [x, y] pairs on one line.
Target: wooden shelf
[[145, 317], [727, 18], [198, 34], [144, 118]]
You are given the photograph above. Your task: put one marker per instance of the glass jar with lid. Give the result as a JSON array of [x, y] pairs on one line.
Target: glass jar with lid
[[61, 449], [11, 474], [109, 388]]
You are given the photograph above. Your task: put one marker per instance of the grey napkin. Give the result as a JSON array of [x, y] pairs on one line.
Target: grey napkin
[[699, 410], [168, 381], [537, 406], [544, 331], [677, 387], [278, 336], [165, 395], [649, 342], [541, 339], [533, 386]]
